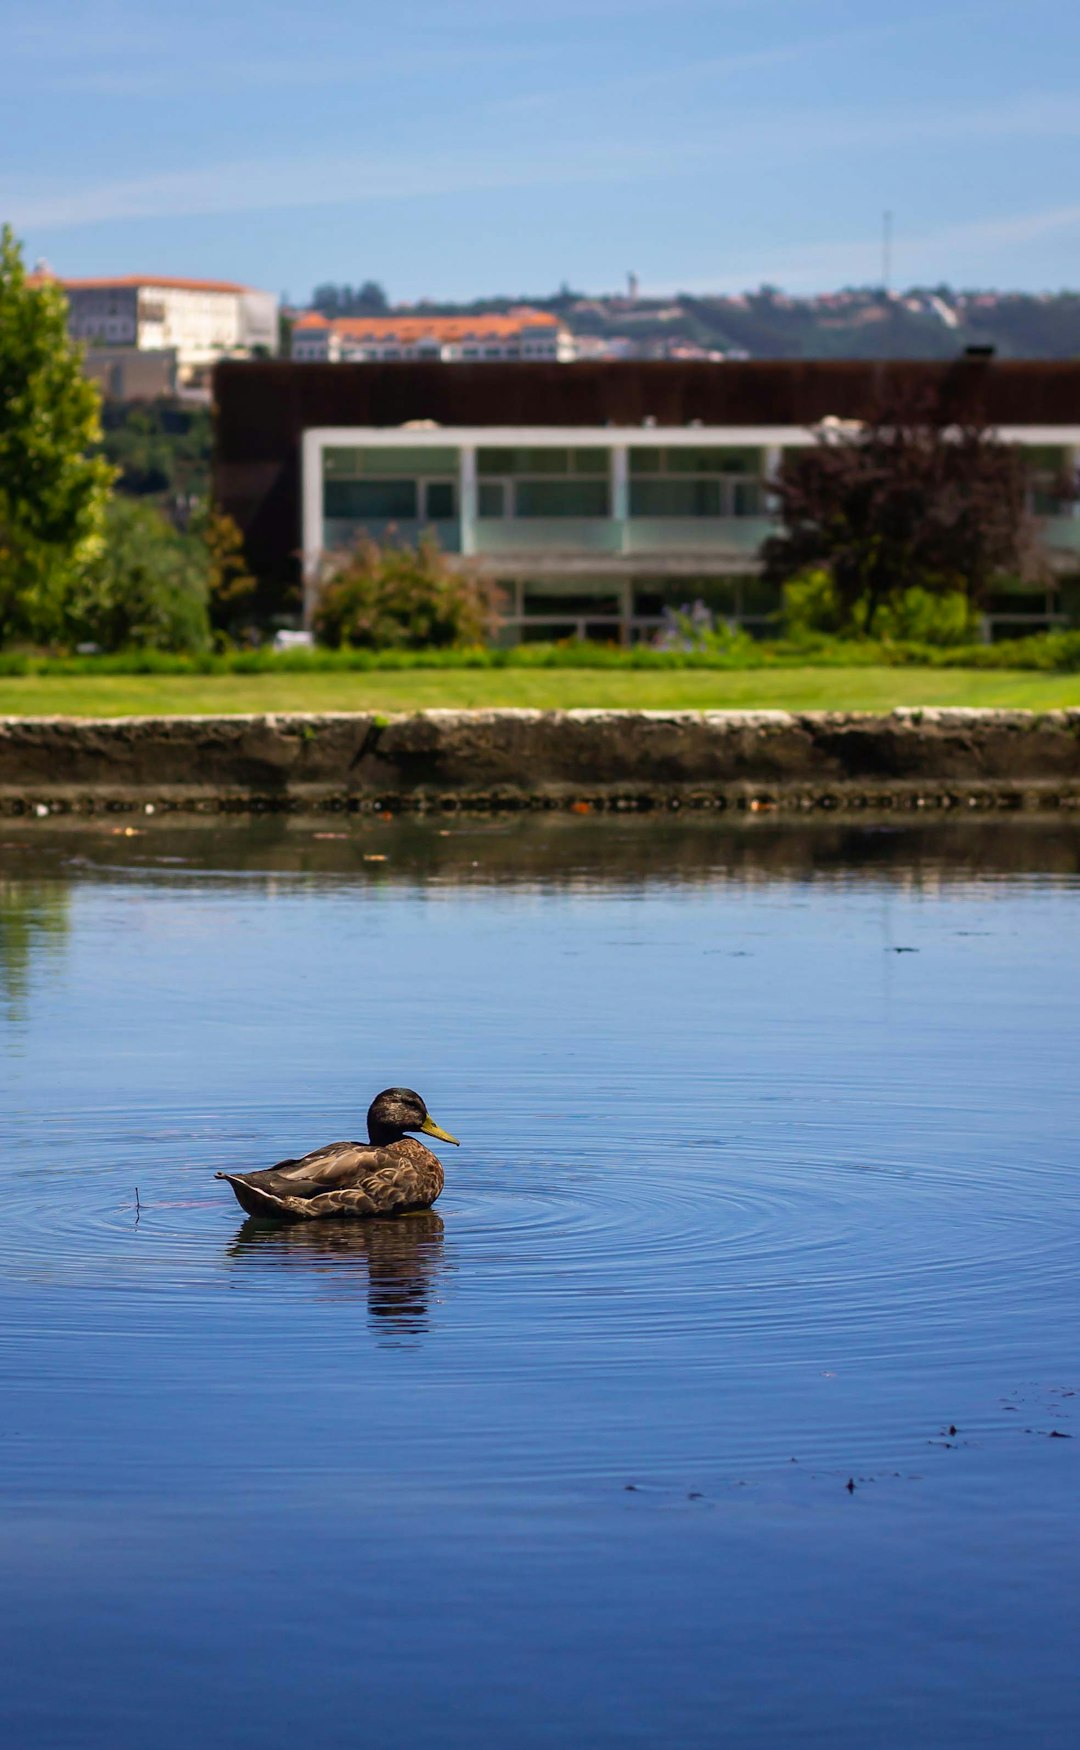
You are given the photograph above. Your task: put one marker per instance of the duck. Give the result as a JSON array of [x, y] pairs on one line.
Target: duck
[[390, 1174]]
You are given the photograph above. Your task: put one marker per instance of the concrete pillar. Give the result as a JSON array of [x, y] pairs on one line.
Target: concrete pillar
[[620, 492], [467, 497], [774, 457], [311, 521]]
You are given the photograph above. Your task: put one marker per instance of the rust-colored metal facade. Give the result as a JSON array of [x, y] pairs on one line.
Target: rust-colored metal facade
[[263, 407]]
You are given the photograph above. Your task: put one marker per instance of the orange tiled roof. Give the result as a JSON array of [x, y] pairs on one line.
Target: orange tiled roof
[[409, 329], [162, 281]]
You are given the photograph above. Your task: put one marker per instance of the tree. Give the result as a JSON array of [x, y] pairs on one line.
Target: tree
[[231, 586], [161, 450], [367, 300], [52, 493], [401, 597], [147, 587], [910, 498]]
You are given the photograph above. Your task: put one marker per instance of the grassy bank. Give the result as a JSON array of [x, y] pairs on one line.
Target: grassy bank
[[796, 689]]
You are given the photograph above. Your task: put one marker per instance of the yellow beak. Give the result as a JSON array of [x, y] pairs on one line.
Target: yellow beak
[[430, 1128]]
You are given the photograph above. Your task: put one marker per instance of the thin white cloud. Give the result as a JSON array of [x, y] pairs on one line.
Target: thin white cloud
[[579, 159], [707, 68], [159, 78], [1035, 115], [262, 185], [116, 50], [112, 31], [1017, 228]]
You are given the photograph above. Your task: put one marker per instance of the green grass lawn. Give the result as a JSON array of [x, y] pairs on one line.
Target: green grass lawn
[[799, 689]]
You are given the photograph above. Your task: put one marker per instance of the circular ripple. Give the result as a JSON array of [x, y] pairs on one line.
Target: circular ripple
[[629, 1250]]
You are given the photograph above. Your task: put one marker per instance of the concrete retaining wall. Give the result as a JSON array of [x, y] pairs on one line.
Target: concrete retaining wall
[[912, 758]]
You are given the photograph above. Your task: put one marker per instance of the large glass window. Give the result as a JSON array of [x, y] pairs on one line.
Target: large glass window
[[439, 496], [351, 464], [583, 498], [543, 482], [690, 460], [548, 602], [747, 498], [695, 482], [661, 497], [542, 461], [370, 500], [1049, 469]]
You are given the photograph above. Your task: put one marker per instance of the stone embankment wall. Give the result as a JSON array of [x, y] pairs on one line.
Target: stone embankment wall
[[446, 759]]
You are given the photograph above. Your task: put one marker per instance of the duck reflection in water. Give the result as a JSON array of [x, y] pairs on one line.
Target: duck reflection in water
[[398, 1260]]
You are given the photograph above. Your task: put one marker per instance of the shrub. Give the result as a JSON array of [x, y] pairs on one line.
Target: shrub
[[922, 616], [148, 588], [397, 597], [813, 610]]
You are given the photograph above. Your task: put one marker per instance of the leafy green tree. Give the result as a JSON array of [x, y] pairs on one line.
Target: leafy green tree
[[406, 598], [147, 587], [52, 493]]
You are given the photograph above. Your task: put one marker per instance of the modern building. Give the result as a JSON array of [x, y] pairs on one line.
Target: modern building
[[533, 335], [598, 495], [200, 321]]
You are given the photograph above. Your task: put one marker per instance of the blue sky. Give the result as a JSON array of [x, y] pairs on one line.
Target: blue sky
[[471, 146]]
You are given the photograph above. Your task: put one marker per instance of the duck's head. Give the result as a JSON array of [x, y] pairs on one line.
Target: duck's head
[[397, 1110]]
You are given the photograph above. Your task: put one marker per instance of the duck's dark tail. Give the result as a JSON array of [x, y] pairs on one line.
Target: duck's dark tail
[[256, 1202]]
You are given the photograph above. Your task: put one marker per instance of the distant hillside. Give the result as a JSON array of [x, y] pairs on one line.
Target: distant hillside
[[917, 324], [923, 323]]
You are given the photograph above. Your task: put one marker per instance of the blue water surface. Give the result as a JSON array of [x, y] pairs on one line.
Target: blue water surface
[[728, 1395]]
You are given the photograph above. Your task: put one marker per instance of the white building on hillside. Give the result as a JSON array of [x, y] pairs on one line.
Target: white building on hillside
[[200, 320], [520, 334]]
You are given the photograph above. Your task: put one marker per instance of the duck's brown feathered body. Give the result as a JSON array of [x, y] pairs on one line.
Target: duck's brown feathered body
[[343, 1179], [388, 1175]]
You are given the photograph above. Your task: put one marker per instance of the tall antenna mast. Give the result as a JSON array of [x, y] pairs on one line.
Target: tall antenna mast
[[886, 250]]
